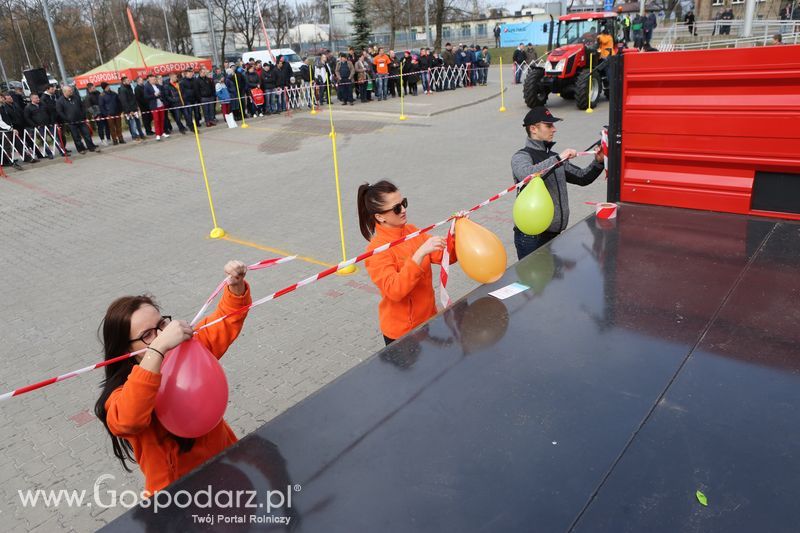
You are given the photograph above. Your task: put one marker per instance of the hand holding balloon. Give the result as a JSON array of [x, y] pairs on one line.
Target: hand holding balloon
[[193, 393], [174, 334]]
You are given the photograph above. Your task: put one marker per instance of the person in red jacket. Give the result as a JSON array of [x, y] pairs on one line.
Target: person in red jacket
[[402, 273], [127, 402]]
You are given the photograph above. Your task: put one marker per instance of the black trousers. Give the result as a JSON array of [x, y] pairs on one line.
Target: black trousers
[[78, 132]]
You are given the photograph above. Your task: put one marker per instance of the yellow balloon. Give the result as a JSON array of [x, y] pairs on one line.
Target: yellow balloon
[[533, 209], [480, 253]]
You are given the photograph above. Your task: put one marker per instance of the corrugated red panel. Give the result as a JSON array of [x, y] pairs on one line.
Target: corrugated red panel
[[698, 125]]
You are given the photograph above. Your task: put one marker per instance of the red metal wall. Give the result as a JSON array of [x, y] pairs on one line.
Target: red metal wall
[[697, 125]]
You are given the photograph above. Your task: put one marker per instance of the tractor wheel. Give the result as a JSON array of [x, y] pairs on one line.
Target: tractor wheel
[[582, 89], [568, 93], [533, 92]]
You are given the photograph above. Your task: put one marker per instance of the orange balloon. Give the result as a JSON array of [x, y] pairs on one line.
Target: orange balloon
[[480, 253]]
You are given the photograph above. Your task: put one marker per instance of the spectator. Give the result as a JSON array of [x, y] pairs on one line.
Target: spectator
[[167, 121], [153, 94], [648, 25], [405, 67], [14, 116], [362, 76], [323, 76], [497, 35], [208, 96], [381, 62], [486, 59], [92, 104], [638, 31], [518, 58], [196, 103], [271, 91], [777, 39], [689, 19], [393, 81], [424, 70], [48, 102], [172, 99], [111, 109], [223, 95], [725, 29], [130, 108], [412, 78], [256, 91], [530, 53], [286, 78], [141, 102], [187, 95], [345, 72], [449, 62], [7, 130], [37, 118], [70, 112]]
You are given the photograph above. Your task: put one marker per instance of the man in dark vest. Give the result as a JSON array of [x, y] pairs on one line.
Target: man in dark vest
[[536, 157]]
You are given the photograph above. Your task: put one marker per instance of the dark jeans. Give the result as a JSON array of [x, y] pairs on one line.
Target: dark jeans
[[79, 131], [147, 122], [345, 90], [527, 244], [209, 103], [176, 114]]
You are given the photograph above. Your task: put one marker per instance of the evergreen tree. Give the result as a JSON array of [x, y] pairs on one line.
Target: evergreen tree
[[361, 30]]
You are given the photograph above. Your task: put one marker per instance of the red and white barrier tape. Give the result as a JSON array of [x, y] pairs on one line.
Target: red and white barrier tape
[[291, 288]]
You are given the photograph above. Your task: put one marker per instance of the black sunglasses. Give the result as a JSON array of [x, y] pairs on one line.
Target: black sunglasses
[[149, 335], [398, 208]]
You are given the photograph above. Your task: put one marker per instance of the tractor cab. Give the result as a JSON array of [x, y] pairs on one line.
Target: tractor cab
[[566, 69]]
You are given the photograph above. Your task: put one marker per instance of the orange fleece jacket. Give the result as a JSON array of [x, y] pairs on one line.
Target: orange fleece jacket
[[407, 298], [131, 407]]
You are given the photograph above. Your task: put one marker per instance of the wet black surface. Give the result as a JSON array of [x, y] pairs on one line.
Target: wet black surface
[[543, 411]]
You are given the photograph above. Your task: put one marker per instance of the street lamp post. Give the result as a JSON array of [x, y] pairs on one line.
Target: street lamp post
[[55, 42], [166, 24], [330, 26]]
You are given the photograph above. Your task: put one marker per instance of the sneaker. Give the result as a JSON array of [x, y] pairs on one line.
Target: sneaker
[[183, 132], [158, 137], [81, 152], [104, 142], [261, 114], [165, 135], [115, 142]]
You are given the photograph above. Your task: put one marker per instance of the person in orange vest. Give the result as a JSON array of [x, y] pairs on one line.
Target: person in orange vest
[[605, 44], [402, 273], [381, 62], [126, 405]]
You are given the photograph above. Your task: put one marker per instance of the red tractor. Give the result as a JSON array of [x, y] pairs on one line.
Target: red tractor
[[566, 69]]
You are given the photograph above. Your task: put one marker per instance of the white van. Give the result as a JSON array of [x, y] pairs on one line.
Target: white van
[[287, 53]]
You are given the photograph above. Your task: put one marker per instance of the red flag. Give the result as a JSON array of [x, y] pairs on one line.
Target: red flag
[[133, 25], [136, 37]]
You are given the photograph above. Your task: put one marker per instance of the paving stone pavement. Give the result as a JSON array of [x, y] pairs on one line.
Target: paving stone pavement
[[136, 219]]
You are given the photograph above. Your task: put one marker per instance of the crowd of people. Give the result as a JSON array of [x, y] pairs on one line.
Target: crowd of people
[[156, 106]]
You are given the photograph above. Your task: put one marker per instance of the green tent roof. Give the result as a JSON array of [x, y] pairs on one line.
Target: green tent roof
[[130, 58]]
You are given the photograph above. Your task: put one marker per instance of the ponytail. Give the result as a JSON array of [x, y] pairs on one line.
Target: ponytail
[[370, 203]]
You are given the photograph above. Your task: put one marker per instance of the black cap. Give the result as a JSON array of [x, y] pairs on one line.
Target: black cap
[[539, 114]]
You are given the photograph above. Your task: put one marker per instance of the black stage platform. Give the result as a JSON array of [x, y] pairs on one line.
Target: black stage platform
[[654, 356]]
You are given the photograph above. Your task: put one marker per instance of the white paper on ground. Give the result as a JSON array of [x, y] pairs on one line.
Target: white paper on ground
[[509, 291]]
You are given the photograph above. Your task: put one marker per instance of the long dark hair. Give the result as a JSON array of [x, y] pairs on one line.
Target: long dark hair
[[116, 329], [370, 203]]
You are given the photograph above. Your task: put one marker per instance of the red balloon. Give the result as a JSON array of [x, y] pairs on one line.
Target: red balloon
[[194, 391]]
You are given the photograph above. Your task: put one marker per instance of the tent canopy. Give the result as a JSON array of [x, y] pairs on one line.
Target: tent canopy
[[129, 63]]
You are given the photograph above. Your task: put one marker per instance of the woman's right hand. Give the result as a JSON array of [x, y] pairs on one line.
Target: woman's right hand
[[175, 333], [433, 244]]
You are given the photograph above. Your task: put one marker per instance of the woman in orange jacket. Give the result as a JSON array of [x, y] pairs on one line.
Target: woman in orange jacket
[[402, 273], [127, 403]]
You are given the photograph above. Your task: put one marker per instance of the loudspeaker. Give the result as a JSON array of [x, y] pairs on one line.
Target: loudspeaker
[[37, 79]]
